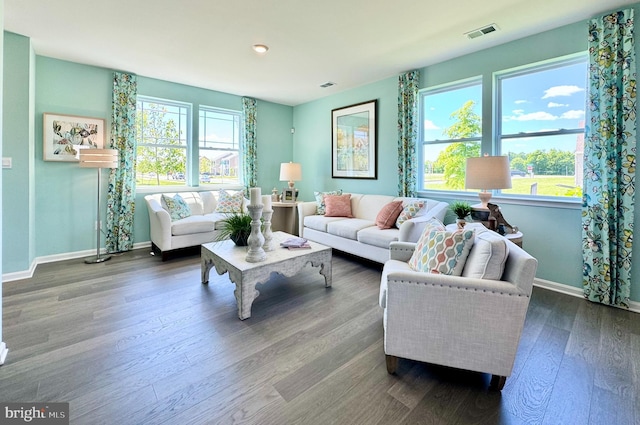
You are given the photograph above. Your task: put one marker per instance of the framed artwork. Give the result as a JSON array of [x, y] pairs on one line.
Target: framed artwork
[[289, 195], [64, 135], [354, 141]]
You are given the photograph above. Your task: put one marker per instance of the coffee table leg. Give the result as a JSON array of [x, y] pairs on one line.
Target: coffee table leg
[[325, 270], [205, 268], [245, 294]]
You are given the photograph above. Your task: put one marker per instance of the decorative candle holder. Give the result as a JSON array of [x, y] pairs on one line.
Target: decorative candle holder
[[269, 243], [256, 239]]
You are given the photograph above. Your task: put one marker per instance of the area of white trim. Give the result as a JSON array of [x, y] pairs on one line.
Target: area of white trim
[[575, 292], [27, 274], [3, 352]]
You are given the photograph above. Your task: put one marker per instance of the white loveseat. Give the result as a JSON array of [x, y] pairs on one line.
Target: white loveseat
[[359, 235], [202, 226]]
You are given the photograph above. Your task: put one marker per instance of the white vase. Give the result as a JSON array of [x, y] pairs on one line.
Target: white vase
[[460, 222]]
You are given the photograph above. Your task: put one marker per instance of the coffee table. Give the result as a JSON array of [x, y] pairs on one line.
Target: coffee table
[[226, 257]]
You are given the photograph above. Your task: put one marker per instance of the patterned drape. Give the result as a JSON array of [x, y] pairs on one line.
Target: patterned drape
[[122, 180], [407, 132], [250, 148], [609, 160]]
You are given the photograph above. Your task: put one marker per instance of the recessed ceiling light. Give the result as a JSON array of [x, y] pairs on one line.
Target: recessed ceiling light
[[260, 48]]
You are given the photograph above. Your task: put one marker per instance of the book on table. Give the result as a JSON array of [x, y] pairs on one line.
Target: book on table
[[295, 242]]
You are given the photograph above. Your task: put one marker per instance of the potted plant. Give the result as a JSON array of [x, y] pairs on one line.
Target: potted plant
[[237, 227], [461, 209]]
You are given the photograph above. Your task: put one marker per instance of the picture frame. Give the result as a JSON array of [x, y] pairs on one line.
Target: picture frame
[[354, 141], [289, 195], [63, 135]]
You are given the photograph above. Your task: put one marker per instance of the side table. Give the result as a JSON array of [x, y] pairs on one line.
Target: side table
[[285, 217], [516, 238]]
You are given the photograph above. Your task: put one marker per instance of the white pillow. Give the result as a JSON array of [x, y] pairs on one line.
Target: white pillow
[[487, 257]]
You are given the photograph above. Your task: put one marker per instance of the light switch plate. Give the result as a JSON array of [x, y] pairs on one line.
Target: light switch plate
[[6, 162]]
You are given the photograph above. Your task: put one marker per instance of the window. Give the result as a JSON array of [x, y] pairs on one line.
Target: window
[[451, 132], [541, 113], [219, 146], [162, 133]]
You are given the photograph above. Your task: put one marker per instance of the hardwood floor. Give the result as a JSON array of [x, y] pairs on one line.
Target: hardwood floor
[[138, 341]]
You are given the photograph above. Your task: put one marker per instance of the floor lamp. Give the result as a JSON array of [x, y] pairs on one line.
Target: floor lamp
[[98, 158]]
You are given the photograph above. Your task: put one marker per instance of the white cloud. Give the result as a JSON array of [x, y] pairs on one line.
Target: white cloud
[[533, 116], [519, 102], [518, 111], [572, 115], [429, 125], [556, 105], [557, 91]]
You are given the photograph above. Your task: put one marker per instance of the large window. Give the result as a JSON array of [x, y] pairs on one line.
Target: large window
[[541, 113], [162, 132], [451, 132], [538, 123], [219, 145]]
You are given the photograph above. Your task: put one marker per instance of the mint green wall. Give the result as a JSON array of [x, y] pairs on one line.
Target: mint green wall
[[18, 135], [1, 148], [551, 234]]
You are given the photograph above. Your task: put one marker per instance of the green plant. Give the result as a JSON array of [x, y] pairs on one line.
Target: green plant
[[461, 209], [236, 226]]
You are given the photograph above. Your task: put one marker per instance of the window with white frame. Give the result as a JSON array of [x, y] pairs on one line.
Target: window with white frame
[[219, 146], [540, 126], [451, 132], [162, 134]]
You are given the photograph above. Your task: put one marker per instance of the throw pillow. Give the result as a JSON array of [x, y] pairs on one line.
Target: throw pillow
[[176, 206], [488, 256], [228, 203], [387, 216], [320, 199], [443, 252], [430, 225], [409, 211], [338, 205]]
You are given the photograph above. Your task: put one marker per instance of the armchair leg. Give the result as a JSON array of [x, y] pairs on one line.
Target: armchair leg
[[497, 382], [392, 364]]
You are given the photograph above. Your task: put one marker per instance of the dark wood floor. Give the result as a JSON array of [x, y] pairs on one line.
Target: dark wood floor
[[138, 341]]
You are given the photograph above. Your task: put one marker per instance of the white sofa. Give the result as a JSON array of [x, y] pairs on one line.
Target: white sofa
[[202, 226], [359, 235]]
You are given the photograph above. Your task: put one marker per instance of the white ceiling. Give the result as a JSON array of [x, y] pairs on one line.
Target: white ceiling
[[207, 43]]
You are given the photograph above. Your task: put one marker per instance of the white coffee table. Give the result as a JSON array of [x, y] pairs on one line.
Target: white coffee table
[[226, 257]]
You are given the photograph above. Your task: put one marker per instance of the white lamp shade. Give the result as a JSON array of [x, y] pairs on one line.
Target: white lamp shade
[[290, 171], [98, 158], [487, 172]]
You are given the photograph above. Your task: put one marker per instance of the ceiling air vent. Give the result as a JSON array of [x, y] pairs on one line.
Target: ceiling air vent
[[482, 31], [327, 84]]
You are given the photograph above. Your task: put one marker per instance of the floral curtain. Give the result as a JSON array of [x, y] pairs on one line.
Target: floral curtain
[[609, 160], [249, 148], [122, 180], [407, 132]]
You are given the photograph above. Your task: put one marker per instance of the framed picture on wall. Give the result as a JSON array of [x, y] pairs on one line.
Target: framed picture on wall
[[64, 135], [354, 141]]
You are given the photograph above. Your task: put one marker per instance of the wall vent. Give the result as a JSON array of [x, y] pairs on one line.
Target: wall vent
[[482, 31], [327, 84]]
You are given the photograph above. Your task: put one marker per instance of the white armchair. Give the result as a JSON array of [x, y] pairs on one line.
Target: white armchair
[[462, 322]]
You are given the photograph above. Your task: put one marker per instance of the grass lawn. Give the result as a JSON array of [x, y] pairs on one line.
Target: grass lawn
[[547, 185]]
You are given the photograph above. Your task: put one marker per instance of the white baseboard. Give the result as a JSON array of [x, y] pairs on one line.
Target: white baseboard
[[3, 352], [27, 274], [573, 291]]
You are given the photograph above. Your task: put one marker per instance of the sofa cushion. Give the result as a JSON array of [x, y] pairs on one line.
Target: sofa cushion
[[320, 208], [319, 222], [337, 205], [388, 215], [378, 237], [442, 252], [175, 206], [487, 257], [348, 228], [368, 206], [410, 210], [229, 203], [192, 224]]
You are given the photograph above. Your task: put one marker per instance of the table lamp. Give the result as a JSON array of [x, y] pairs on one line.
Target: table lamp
[[487, 173], [290, 171]]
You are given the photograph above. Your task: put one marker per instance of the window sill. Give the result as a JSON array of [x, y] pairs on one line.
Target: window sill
[[539, 201], [145, 190]]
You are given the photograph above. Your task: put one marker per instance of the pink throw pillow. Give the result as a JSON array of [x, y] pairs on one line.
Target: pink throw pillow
[[338, 205], [387, 216]]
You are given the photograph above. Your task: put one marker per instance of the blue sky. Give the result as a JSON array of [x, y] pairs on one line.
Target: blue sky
[[550, 99]]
